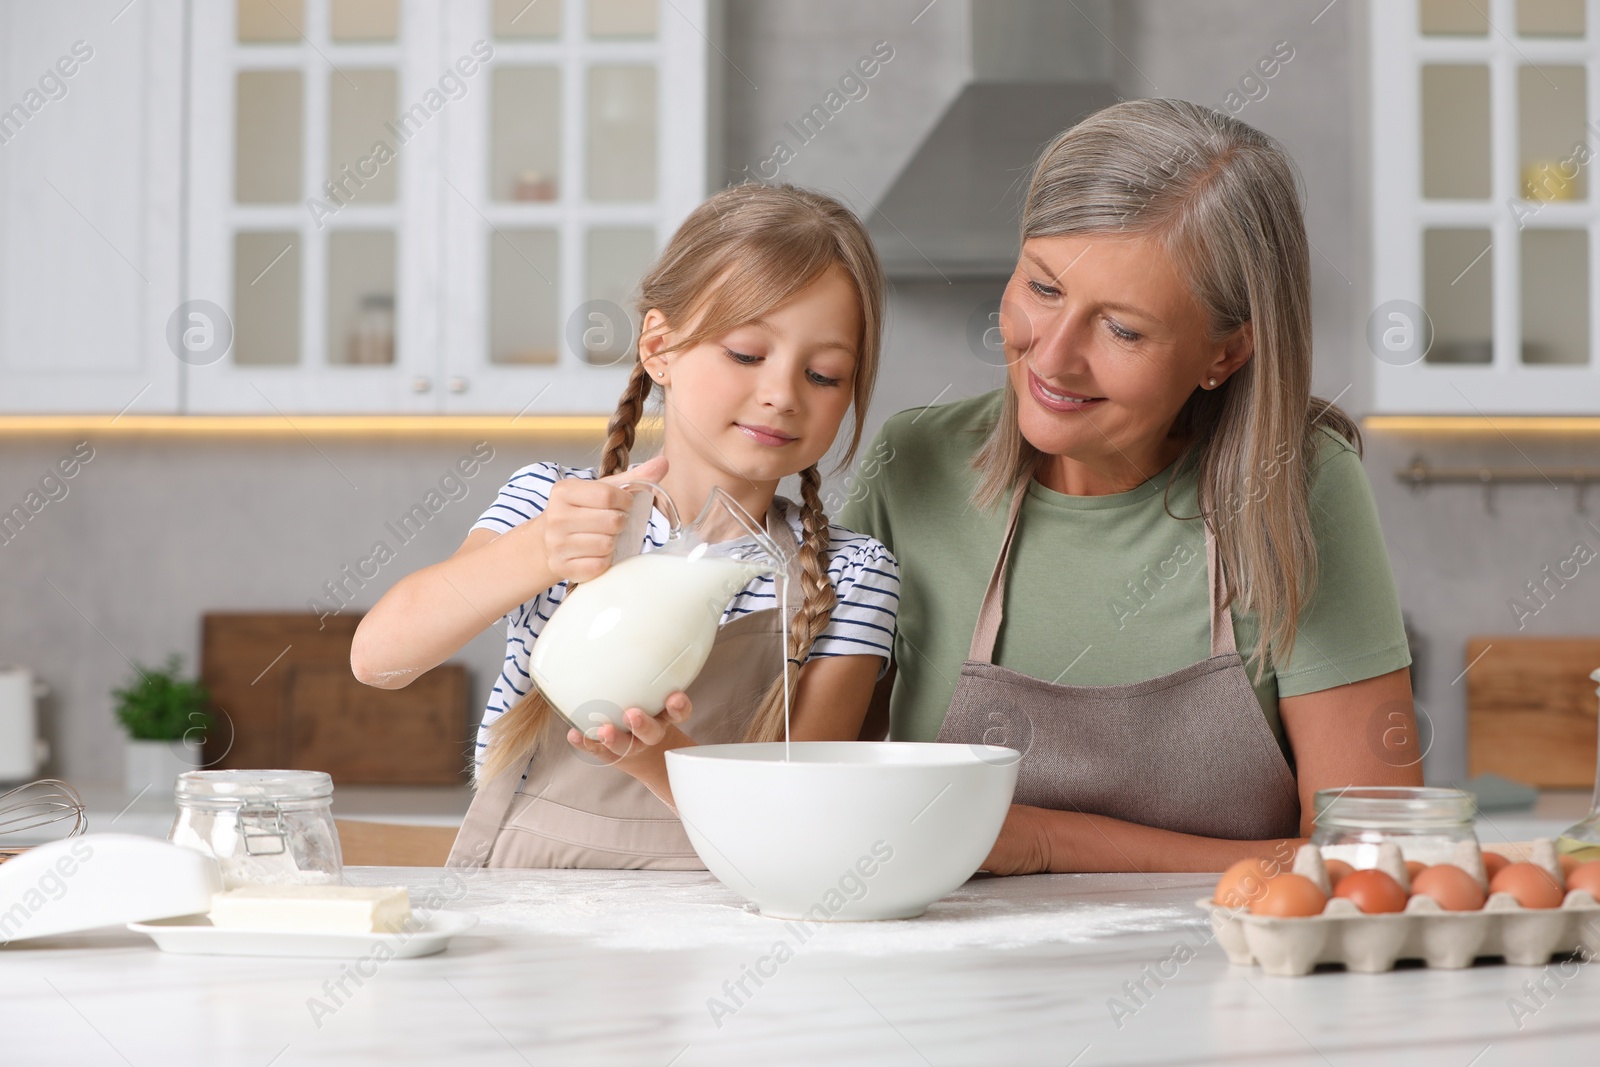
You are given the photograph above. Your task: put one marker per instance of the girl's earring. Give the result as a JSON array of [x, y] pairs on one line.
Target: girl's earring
[[1211, 383]]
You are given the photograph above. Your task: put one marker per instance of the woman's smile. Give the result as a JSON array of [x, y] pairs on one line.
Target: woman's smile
[[1059, 400]]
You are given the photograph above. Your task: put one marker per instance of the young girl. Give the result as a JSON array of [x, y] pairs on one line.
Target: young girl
[[760, 328]]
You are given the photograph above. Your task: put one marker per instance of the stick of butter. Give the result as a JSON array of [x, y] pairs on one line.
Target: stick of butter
[[336, 909]]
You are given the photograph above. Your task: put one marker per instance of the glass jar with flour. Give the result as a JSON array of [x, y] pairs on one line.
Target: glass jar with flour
[[1427, 822], [268, 827]]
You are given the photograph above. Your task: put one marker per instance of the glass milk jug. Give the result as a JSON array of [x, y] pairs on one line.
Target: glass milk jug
[[644, 628]]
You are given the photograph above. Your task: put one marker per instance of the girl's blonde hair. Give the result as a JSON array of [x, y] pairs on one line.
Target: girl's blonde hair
[[1221, 198], [748, 249]]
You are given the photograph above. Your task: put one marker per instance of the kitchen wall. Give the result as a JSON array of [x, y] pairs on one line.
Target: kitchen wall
[[154, 532]]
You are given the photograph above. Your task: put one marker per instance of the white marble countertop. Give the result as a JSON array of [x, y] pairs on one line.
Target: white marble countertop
[[630, 968]]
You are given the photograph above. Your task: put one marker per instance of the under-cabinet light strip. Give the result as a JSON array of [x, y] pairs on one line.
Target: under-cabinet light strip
[[1483, 424], [311, 425]]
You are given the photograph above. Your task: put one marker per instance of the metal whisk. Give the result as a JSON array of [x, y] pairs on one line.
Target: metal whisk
[[42, 803]]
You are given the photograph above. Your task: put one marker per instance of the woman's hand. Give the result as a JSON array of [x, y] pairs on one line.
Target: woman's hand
[[583, 518], [1024, 844], [642, 752]]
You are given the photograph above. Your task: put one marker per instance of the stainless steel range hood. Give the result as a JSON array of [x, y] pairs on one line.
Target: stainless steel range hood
[[1037, 67]]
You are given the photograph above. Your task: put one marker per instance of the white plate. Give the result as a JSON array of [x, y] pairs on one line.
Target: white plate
[[193, 935]]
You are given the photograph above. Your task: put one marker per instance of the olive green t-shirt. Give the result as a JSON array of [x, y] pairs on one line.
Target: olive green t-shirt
[[1101, 590]]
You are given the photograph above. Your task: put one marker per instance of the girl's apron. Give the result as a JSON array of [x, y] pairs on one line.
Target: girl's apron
[[576, 812], [1189, 751]]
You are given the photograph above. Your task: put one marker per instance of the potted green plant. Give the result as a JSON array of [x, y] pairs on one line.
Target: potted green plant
[[166, 719]]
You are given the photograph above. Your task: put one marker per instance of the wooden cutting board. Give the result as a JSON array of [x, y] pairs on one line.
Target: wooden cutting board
[[283, 696], [367, 736], [1532, 713]]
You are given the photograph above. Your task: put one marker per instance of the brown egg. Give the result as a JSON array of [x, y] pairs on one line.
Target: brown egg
[[1337, 870], [1453, 888], [1586, 876], [1414, 868], [1289, 896], [1372, 892], [1531, 884], [1493, 864], [1242, 883], [1568, 863]]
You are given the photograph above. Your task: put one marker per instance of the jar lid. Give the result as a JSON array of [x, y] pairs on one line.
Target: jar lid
[[254, 785], [1393, 806]]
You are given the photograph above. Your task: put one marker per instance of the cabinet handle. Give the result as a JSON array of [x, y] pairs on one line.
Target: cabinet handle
[[458, 385], [421, 385]]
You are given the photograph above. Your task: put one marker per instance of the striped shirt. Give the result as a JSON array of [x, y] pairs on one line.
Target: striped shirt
[[865, 577]]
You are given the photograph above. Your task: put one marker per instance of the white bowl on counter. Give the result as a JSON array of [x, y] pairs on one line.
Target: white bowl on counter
[[843, 830]]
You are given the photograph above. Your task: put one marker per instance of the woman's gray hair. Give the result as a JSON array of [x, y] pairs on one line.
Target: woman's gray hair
[[1222, 199]]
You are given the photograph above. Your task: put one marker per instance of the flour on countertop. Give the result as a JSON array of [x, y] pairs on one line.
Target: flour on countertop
[[681, 910]]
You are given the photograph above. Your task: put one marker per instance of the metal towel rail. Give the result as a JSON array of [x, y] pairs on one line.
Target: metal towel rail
[[1419, 475]]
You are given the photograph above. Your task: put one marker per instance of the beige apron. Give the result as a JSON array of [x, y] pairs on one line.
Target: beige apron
[[1189, 751], [575, 812]]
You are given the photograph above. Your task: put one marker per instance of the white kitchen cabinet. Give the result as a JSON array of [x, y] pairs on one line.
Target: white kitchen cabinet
[[404, 204], [1486, 260], [601, 107], [90, 150], [299, 219]]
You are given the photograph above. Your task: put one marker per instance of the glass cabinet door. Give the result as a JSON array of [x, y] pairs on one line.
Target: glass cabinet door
[[583, 152], [437, 205], [316, 242], [1483, 217]]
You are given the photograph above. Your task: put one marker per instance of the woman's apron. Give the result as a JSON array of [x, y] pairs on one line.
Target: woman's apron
[[577, 812], [1189, 751]]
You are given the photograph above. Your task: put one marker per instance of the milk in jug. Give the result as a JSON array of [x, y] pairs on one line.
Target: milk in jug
[[644, 628]]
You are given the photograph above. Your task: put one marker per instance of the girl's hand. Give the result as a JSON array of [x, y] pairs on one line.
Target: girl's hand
[[642, 753], [583, 518], [1023, 846], [648, 731]]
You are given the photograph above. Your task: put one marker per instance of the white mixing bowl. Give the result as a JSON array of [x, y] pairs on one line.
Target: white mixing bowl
[[844, 829]]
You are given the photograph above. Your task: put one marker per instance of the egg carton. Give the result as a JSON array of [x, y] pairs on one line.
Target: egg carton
[[1527, 937]]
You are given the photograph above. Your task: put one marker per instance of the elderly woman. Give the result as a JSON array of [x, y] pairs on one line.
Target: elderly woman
[[1151, 562]]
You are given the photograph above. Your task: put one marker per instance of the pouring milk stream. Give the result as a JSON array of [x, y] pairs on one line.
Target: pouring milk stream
[[644, 628]]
